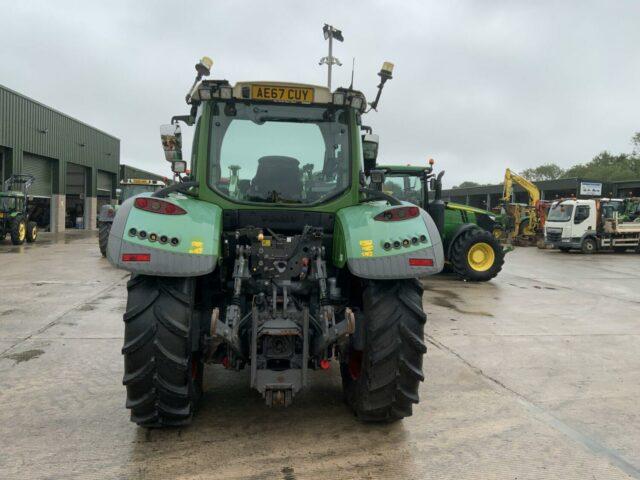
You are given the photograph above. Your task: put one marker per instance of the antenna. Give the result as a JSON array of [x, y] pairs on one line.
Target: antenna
[[353, 67]]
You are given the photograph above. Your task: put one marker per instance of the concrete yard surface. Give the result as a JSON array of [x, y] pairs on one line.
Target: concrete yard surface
[[534, 375]]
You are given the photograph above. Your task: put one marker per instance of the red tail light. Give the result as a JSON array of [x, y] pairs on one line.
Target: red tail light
[[158, 206], [398, 213], [136, 257], [421, 262]]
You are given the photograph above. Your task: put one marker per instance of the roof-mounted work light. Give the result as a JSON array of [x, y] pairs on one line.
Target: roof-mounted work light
[[385, 74], [203, 69]]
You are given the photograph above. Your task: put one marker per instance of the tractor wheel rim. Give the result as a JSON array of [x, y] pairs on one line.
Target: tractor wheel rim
[[22, 231], [481, 257], [34, 232]]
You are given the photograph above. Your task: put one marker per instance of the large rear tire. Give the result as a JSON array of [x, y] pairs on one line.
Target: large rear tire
[[18, 231], [32, 232], [381, 382], [162, 376], [476, 256], [103, 237]]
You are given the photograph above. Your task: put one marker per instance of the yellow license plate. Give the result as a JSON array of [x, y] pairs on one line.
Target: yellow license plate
[[281, 93]]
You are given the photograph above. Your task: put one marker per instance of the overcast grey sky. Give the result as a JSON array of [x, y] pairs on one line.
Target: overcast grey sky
[[478, 85]]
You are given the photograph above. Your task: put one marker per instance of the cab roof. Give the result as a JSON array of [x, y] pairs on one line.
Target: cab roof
[[404, 169], [291, 93]]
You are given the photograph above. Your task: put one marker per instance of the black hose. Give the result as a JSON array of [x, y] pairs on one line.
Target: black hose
[[176, 187], [378, 195]]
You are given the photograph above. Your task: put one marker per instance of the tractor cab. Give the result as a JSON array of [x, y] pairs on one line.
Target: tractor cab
[[278, 145], [131, 187], [14, 217]]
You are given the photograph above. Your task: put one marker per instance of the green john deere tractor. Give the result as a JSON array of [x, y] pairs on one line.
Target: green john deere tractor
[[14, 217], [272, 255], [471, 249], [129, 187]]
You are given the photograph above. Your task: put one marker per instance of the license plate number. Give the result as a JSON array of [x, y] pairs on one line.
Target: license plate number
[[278, 93]]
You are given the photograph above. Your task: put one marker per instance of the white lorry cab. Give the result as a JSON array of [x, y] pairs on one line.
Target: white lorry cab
[[591, 225]]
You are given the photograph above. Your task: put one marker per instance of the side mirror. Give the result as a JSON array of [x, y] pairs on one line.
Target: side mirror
[[370, 143], [179, 167], [171, 138]]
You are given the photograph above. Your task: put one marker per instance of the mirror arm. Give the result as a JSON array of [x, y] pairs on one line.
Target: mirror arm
[[378, 195], [188, 119]]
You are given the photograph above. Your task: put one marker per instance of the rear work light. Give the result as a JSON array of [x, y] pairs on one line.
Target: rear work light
[[398, 213], [421, 262], [136, 257], [158, 206]]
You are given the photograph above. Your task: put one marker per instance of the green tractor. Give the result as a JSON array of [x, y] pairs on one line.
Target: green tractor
[[14, 217], [471, 248], [274, 256], [128, 188]]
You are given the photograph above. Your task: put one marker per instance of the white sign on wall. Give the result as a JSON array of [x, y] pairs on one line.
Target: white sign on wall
[[590, 188]]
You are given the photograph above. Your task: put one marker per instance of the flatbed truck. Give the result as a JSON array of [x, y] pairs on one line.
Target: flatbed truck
[[592, 225]]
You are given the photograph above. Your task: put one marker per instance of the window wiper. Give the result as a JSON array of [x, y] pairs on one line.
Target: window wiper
[[263, 119], [272, 199]]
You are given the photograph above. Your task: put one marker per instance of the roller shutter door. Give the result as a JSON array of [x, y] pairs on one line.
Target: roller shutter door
[[75, 180], [41, 169], [105, 183]]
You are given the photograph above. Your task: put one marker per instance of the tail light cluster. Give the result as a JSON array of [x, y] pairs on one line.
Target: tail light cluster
[[388, 245], [153, 237], [158, 206], [397, 214]]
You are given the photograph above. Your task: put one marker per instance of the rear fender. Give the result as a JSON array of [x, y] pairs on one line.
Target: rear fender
[[359, 243], [198, 233], [465, 227], [107, 213]]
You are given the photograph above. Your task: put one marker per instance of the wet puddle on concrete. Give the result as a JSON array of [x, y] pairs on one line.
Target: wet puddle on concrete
[[25, 356]]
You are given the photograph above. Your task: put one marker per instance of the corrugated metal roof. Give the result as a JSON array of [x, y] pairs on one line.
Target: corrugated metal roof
[[3, 87]]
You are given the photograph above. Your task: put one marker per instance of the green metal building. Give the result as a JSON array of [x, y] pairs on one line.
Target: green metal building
[[75, 165]]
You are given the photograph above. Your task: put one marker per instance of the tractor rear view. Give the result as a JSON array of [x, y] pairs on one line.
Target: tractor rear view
[[472, 251], [272, 256], [14, 216]]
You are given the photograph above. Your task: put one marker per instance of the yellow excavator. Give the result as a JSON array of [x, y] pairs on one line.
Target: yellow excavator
[[523, 224]]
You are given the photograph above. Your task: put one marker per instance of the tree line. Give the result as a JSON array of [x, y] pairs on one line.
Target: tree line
[[604, 166]]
